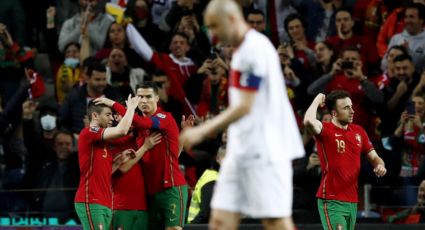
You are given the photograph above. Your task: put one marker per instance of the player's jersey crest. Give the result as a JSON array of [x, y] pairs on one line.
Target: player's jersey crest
[[359, 139], [94, 129], [161, 115]]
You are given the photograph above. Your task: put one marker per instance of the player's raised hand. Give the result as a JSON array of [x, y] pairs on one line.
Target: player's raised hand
[[380, 170], [132, 102], [123, 157], [320, 99], [128, 154], [28, 109], [189, 122], [152, 140], [104, 101]]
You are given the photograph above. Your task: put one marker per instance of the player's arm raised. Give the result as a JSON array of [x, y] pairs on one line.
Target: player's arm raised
[[124, 125], [138, 121], [310, 118], [377, 163], [149, 143]]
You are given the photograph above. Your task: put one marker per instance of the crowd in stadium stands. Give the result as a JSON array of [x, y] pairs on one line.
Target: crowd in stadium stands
[[374, 49]]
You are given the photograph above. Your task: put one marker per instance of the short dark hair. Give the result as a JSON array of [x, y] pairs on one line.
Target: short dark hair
[[95, 65], [93, 108], [88, 61], [291, 18], [333, 96], [330, 47], [48, 108], [181, 35], [402, 57], [420, 8], [148, 85], [419, 94], [350, 48], [399, 47], [64, 132], [344, 10], [255, 11], [71, 44], [158, 72]]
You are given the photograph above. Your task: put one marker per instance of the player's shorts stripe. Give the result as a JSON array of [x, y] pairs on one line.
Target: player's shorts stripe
[[89, 218], [181, 205], [248, 81], [113, 211], [171, 160], [88, 174], [155, 122], [325, 209], [325, 176]]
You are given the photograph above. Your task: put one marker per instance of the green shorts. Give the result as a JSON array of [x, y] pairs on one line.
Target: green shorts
[[94, 216], [336, 214], [130, 219], [168, 208]]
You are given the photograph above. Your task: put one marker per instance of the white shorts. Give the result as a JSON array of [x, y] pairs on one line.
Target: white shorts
[[261, 191]]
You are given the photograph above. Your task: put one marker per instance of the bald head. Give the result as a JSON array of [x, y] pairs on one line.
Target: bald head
[[221, 8], [224, 19]]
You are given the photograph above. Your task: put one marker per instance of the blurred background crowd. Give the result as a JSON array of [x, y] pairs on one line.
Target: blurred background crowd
[[49, 49]]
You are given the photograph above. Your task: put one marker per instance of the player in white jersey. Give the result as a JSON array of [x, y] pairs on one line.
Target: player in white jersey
[[255, 178]]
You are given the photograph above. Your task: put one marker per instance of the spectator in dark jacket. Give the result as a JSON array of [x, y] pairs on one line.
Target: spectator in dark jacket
[[73, 109], [61, 177], [12, 14], [38, 140], [397, 92], [320, 16]]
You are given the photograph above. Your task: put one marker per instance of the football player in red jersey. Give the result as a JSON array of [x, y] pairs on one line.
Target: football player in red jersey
[[340, 145], [93, 201]]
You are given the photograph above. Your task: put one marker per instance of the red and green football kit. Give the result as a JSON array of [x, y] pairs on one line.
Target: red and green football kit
[[93, 200], [165, 184], [340, 152]]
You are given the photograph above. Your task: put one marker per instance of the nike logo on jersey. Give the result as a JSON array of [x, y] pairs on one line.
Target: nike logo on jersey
[[338, 135]]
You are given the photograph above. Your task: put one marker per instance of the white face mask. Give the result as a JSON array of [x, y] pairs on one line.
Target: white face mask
[[48, 122], [72, 62]]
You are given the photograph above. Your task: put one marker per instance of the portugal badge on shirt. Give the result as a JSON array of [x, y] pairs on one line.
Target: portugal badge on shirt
[[359, 139], [94, 129], [161, 115]]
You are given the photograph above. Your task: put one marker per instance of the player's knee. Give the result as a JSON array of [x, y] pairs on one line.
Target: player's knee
[[217, 223], [271, 223], [174, 228], [278, 223]]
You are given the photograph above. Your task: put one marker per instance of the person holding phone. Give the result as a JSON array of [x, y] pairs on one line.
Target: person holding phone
[[347, 74], [346, 37], [409, 141], [214, 96], [303, 49], [398, 91]]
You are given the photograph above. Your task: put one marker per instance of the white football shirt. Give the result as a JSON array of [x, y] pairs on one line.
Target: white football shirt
[[269, 132]]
